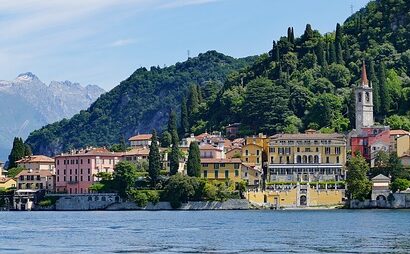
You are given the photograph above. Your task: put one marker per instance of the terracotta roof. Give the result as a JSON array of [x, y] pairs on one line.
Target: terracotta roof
[[399, 132], [141, 137], [34, 173], [36, 158], [5, 179], [381, 177], [308, 136], [364, 80], [234, 148], [214, 160], [137, 151], [201, 136], [238, 141], [208, 147], [90, 152]]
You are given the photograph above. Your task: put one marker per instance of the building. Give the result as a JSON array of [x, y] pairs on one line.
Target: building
[[140, 140], [76, 171], [252, 175], [232, 130], [136, 154], [367, 139], [25, 200], [37, 162], [210, 151], [221, 169], [399, 142], [7, 183], [306, 157], [235, 152], [252, 151], [2, 171], [29, 179], [380, 187]]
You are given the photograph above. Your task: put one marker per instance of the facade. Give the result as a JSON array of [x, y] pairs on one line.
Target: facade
[[221, 169], [380, 187], [235, 152], [252, 175], [405, 160], [140, 140], [209, 151], [37, 162], [2, 171], [136, 154], [232, 130], [6, 183], [399, 142], [76, 171], [306, 157], [29, 179]]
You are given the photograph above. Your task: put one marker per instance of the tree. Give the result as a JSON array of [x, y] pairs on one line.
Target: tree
[[17, 152], [172, 121], [338, 36], [266, 106], [339, 54], [174, 160], [339, 75], [293, 124], [184, 118], [358, 185], [385, 99], [194, 160], [124, 177], [193, 101], [166, 139], [179, 189], [375, 85], [27, 150], [400, 184], [320, 53], [154, 160], [332, 53], [325, 110]]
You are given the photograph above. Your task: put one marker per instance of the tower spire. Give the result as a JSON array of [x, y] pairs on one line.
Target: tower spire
[[364, 80]]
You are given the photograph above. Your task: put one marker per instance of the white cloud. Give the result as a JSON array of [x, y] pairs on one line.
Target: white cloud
[[122, 42]]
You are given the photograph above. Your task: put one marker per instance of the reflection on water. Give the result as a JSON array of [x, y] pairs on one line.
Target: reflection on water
[[333, 231]]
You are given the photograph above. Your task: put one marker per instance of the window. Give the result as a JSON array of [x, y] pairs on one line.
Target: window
[[236, 173], [216, 166], [89, 178], [65, 179], [89, 172], [257, 160], [236, 166], [327, 150], [359, 97], [298, 149], [327, 159], [38, 178], [337, 160], [246, 152], [226, 173], [216, 174], [337, 150], [81, 171], [58, 178], [317, 149], [58, 162], [271, 159], [271, 149], [222, 165], [287, 159], [65, 171], [206, 173], [257, 152], [307, 149], [88, 161], [280, 159], [205, 165], [71, 171], [76, 161]]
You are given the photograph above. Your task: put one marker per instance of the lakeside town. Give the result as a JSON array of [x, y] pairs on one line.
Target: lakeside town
[[302, 170]]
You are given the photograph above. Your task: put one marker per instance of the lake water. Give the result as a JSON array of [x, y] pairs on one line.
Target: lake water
[[329, 231]]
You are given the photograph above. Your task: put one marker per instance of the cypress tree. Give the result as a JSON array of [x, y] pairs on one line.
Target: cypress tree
[[193, 101], [154, 159], [385, 99], [375, 86], [17, 152], [194, 160], [199, 91], [339, 53], [338, 38], [27, 150], [184, 118], [332, 53], [308, 33], [320, 53], [292, 37], [174, 160], [172, 121]]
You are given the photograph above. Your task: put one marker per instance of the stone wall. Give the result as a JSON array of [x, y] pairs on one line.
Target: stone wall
[[394, 201], [111, 201]]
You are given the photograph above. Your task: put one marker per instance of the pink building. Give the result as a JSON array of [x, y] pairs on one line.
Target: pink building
[[75, 171]]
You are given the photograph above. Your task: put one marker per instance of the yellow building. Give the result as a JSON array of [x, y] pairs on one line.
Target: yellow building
[[221, 169], [293, 196], [253, 149], [306, 157], [399, 142], [252, 175], [235, 152], [36, 180], [6, 183]]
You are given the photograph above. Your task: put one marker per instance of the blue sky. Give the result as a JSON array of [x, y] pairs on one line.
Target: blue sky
[[103, 41]]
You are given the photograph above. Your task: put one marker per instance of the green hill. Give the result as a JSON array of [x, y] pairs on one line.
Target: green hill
[[303, 82], [139, 104]]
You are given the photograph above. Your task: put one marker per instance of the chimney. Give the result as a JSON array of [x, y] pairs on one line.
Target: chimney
[[364, 80]]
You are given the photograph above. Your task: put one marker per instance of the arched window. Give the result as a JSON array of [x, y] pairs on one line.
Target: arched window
[[299, 159], [359, 97], [310, 159], [316, 159], [304, 159], [367, 97]]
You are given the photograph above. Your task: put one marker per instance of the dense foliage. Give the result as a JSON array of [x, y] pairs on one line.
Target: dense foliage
[[358, 184], [140, 103], [18, 151]]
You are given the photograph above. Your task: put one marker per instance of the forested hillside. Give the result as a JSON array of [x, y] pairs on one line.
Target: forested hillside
[[306, 82], [139, 104], [302, 82]]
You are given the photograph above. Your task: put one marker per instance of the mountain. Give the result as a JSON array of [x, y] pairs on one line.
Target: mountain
[[26, 104], [302, 82], [138, 104]]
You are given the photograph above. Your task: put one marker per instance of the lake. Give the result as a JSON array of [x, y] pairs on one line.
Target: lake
[[301, 231]]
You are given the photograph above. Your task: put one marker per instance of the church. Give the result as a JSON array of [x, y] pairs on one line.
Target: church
[[367, 138]]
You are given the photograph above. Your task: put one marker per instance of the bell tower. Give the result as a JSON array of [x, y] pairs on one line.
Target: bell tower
[[364, 102]]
